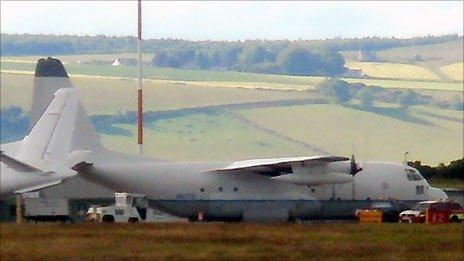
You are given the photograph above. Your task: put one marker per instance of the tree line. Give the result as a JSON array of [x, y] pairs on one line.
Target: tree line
[[339, 91], [454, 170], [292, 60], [42, 44]]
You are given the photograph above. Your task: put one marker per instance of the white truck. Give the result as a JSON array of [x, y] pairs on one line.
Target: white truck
[[128, 208]]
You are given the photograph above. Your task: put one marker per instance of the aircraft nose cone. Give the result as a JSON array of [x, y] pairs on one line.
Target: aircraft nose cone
[[437, 194]]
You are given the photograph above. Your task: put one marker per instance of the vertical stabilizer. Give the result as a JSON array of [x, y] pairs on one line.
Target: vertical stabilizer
[[50, 75]]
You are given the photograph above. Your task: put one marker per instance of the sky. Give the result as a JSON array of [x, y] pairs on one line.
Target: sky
[[235, 20]]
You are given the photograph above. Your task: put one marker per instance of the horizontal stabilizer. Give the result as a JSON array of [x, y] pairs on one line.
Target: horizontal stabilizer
[[41, 186], [16, 164]]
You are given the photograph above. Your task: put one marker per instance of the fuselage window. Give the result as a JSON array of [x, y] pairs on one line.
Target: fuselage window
[[410, 178], [235, 189], [420, 190], [202, 190], [413, 175], [220, 189]]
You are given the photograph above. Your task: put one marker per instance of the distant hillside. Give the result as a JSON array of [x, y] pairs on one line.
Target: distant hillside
[[303, 57], [442, 53]]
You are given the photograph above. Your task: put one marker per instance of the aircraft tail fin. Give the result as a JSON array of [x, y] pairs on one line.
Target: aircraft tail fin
[[50, 139], [50, 76]]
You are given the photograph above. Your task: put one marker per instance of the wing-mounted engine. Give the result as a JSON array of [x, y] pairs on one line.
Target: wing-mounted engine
[[319, 174]]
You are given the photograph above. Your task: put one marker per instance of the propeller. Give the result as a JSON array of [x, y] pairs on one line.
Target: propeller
[[355, 168]]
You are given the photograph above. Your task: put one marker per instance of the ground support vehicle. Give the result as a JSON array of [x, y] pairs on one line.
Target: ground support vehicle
[[128, 208], [46, 209], [381, 211], [433, 212]]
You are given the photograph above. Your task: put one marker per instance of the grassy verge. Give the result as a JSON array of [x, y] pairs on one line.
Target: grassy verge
[[232, 241], [447, 183]]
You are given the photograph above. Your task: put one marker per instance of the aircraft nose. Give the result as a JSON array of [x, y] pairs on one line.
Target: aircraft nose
[[437, 194]]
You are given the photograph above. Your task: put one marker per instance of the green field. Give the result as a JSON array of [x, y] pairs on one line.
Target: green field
[[226, 241], [169, 73], [227, 79], [382, 134], [202, 137]]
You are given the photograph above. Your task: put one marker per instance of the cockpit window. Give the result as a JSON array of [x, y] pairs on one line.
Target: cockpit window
[[413, 175], [381, 205]]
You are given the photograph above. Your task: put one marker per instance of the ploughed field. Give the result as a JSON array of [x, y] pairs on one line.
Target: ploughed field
[[236, 241]]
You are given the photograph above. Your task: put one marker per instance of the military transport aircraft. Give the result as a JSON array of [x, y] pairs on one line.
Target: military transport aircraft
[[250, 190]]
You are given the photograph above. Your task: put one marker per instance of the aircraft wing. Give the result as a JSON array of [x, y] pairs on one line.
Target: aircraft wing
[[278, 166], [313, 170]]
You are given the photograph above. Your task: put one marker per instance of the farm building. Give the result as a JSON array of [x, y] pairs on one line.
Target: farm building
[[124, 62]]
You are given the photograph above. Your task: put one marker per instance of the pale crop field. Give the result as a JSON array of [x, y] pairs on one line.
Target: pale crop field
[[443, 53], [454, 71], [393, 70], [413, 85], [110, 96], [384, 135]]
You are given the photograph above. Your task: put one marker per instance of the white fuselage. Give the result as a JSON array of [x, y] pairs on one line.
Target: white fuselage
[[187, 189]]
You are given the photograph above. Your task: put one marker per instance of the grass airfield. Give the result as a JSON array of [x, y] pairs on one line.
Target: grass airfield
[[232, 241]]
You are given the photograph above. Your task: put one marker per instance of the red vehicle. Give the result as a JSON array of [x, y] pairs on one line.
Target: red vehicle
[[455, 213]]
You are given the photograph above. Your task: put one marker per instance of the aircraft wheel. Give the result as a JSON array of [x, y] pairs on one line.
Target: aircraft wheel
[[133, 220], [108, 219]]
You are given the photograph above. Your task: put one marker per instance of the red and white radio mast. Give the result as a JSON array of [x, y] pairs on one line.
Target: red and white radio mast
[[140, 90]]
